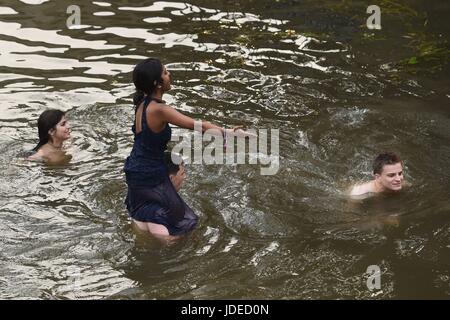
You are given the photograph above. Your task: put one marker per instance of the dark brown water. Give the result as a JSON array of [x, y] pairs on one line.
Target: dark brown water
[[339, 94]]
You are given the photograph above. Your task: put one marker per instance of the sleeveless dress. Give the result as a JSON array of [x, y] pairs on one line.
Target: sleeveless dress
[[151, 195]]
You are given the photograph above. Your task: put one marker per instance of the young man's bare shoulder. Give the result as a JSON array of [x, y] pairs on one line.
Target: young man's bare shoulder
[[361, 189]]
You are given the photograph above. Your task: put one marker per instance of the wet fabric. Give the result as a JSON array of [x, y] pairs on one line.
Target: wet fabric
[[151, 195], [145, 167], [162, 205]]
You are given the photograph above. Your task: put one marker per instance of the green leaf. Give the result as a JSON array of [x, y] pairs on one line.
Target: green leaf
[[412, 60]]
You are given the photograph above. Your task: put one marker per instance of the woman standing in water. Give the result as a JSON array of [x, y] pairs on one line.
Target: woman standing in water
[[152, 199], [53, 130]]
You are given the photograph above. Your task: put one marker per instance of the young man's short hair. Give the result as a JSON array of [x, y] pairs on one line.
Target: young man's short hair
[[383, 159]]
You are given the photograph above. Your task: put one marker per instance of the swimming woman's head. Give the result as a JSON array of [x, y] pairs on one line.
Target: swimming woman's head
[[150, 75], [52, 125]]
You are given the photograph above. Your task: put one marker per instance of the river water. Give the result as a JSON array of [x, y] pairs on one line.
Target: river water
[[338, 93]]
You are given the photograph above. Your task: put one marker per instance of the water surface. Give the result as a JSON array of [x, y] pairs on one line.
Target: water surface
[[339, 94]]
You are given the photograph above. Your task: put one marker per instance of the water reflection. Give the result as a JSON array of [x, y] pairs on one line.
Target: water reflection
[[7, 10]]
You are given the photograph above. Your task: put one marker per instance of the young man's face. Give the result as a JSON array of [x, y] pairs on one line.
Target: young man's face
[[391, 177], [178, 178]]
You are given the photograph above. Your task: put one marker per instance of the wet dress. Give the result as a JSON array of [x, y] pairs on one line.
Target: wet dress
[[151, 195]]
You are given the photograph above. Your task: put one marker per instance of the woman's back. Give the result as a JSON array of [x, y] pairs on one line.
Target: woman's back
[[145, 167]]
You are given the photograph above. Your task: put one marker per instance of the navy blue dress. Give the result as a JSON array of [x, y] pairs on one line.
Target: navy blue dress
[[151, 195]]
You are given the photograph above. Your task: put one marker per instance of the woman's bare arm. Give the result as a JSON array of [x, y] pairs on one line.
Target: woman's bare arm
[[170, 115]]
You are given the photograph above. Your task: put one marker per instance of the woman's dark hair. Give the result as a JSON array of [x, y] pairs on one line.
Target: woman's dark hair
[[47, 120], [173, 162], [146, 76], [383, 159]]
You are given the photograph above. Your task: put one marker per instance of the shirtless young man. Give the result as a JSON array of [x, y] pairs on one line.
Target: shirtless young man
[[388, 176]]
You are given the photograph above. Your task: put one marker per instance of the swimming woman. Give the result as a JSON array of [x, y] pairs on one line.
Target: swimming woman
[[53, 130], [151, 197]]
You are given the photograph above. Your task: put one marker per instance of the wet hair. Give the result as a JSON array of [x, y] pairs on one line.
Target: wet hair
[[383, 159], [172, 166], [47, 120], [146, 76]]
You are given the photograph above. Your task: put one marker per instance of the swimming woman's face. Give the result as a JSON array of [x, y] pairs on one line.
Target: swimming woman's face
[[166, 80], [61, 131]]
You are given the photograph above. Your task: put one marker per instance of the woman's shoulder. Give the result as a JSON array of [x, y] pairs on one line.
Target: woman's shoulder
[[41, 154], [157, 110], [156, 105], [37, 156]]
